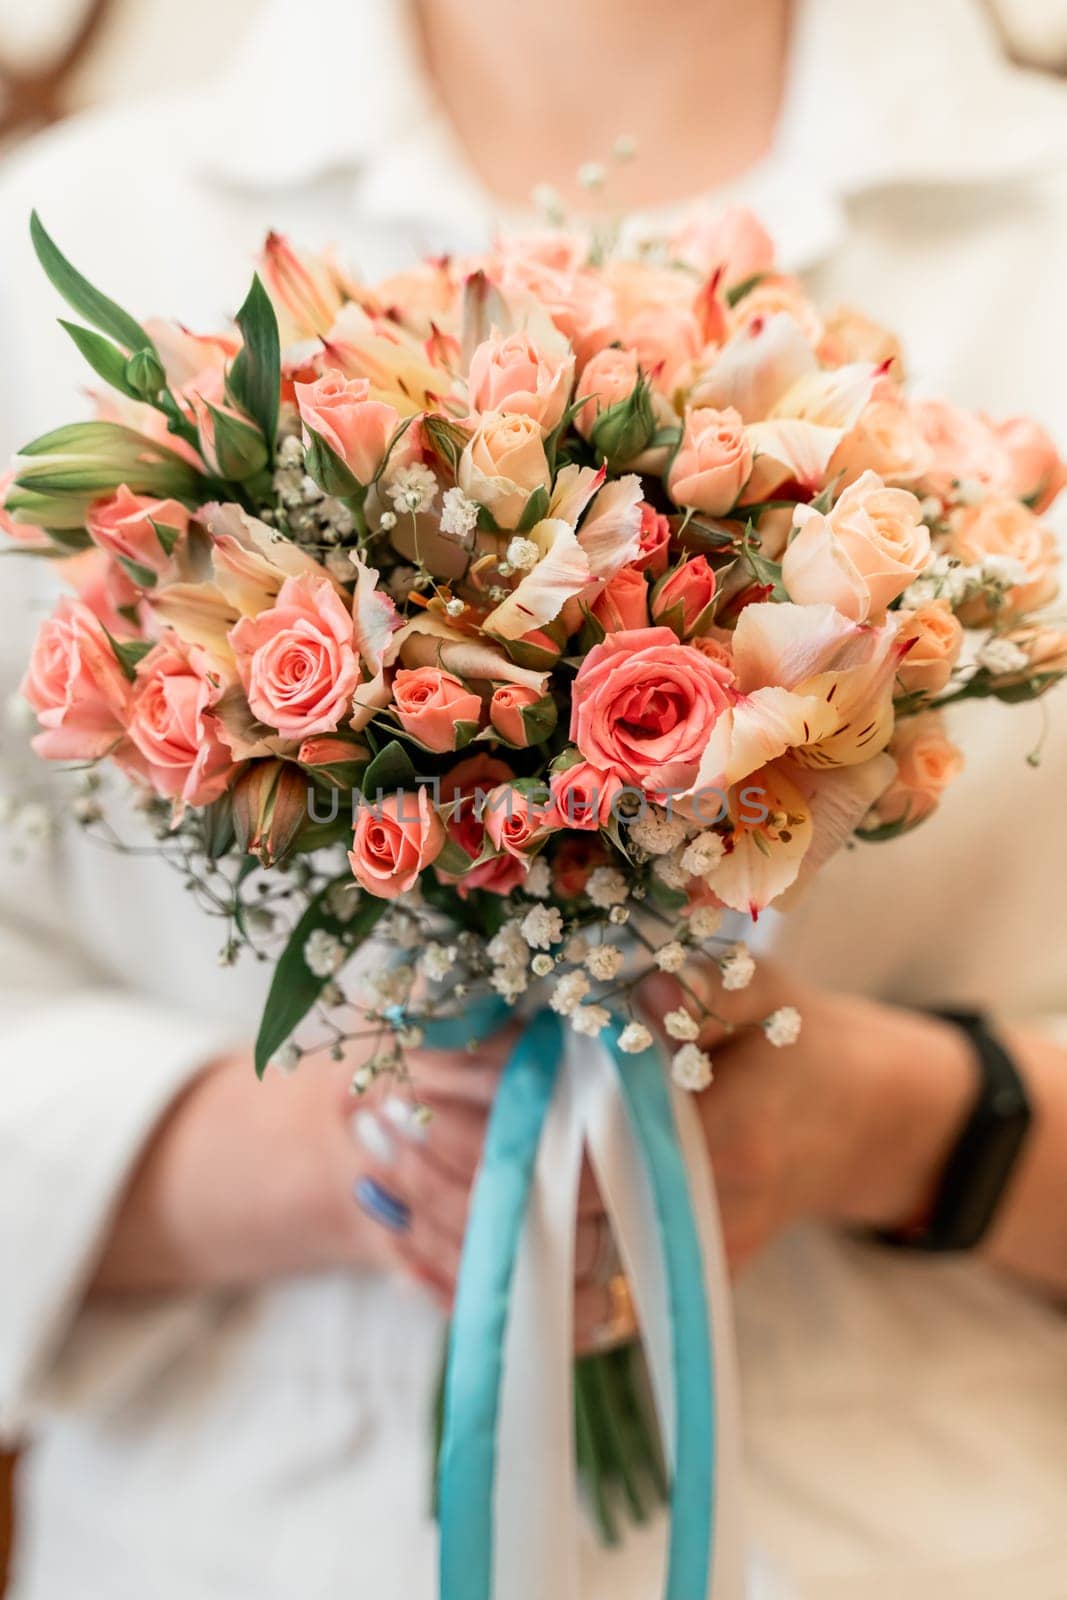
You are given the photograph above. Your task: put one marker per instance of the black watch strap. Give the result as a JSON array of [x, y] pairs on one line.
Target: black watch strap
[[985, 1155]]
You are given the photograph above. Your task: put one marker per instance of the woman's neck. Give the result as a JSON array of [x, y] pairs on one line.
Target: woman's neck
[[536, 91]]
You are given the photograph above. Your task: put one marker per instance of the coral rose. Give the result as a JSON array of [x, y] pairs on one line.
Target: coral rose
[[622, 602], [515, 821], [298, 661], [172, 726], [464, 791], [645, 706], [510, 713], [682, 599], [76, 686], [393, 840], [433, 706], [583, 797]]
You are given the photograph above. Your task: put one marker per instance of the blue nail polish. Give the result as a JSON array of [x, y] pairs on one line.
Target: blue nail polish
[[382, 1206]]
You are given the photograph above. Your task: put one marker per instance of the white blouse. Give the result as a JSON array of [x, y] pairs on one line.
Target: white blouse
[[906, 1420]]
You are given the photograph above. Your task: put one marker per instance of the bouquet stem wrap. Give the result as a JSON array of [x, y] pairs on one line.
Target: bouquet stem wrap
[[513, 1534]]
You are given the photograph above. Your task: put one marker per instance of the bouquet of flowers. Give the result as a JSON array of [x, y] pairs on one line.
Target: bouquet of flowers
[[525, 614]]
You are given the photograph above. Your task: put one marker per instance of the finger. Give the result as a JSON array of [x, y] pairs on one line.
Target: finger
[[470, 1076]]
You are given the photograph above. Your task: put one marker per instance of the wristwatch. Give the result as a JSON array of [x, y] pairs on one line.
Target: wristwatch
[[980, 1167]]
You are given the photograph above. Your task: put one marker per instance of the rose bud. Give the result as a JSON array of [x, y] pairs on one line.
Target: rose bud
[[625, 429], [339, 412], [515, 820], [713, 461], [682, 599], [520, 715], [622, 602], [608, 379], [653, 551], [335, 759], [269, 809], [436, 708], [927, 762], [935, 636]]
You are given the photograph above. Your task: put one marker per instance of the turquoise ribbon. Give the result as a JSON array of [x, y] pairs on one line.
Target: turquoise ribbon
[[480, 1314], [479, 1323], [693, 1488], [484, 1016]]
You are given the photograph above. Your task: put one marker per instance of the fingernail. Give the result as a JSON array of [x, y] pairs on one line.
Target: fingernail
[[381, 1206], [405, 1118], [368, 1131]]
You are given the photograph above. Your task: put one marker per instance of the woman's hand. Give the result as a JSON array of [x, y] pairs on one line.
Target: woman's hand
[[419, 1176], [851, 1124]]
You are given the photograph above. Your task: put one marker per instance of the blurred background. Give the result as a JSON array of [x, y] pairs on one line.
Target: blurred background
[[61, 57]]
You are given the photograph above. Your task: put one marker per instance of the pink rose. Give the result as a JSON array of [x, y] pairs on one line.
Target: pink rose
[[935, 637], [1037, 470], [172, 726], [682, 599], [298, 661], [713, 462], [513, 374], [653, 550], [623, 602], [508, 711], [77, 688], [355, 427], [1005, 529], [463, 792], [393, 840], [862, 555], [644, 707], [609, 378], [733, 243], [434, 705], [885, 439], [927, 762], [516, 822], [583, 797], [125, 526]]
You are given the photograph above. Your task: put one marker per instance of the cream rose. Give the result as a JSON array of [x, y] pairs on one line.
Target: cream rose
[[1006, 529], [502, 465], [862, 554]]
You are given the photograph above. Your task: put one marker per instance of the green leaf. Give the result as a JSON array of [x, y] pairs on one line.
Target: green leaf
[[81, 296], [240, 450], [168, 537], [128, 652], [142, 576], [391, 769], [295, 988], [453, 859], [763, 570], [333, 477], [255, 376], [105, 358], [535, 511], [738, 291]]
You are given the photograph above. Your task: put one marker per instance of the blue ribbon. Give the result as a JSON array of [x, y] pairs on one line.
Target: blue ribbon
[[479, 1323], [480, 1314], [485, 1016], [693, 1488]]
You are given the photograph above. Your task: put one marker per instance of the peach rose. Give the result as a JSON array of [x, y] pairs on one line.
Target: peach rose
[[355, 427], [963, 448], [849, 335], [886, 439], [667, 340], [927, 762], [172, 726], [1006, 529], [622, 602], [297, 660], [516, 822], [733, 243], [777, 295], [125, 526], [644, 707], [1037, 470], [463, 794], [433, 707], [653, 551], [509, 708], [862, 555], [682, 599], [513, 374], [582, 796], [393, 840], [935, 637], [713, 462], [608, 379], [77, 688], [503, 464], [1045, 650]]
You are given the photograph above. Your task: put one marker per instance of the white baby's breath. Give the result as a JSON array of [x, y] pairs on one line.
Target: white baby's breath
[[737, 967], [437, 960], [656, 832], [324, 954], [569, 992], [634, 1038], [1001, 655], [691, 1067], [538, 881], [604, 962], [607, 887], [782, 1027], [522, 554], [681, 1025], [703, 854], [705, 922], [459, 515], [542, 927], [670, 957], [669, 870], [412, 488], [590, 1020], [542, 965]]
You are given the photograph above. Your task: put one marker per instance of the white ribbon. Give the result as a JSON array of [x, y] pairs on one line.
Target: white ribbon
[[537, 1540]]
